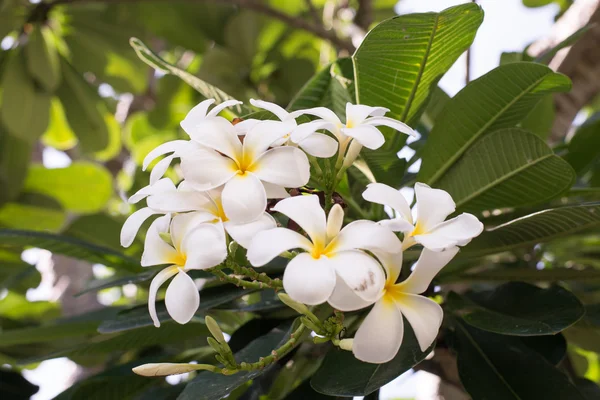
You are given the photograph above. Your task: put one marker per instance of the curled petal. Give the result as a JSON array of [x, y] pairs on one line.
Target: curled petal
[[156, 283], [218, 134], [272, 107], [307, 129], [306, 211], [263, 135], [204, 246], [266, 245], [424, 315], [183, 224], [283, 166], [345, 299], [426, 268], [319, 145], [206, 169], [133, 223], [388, 196], [160, 168], [397, 225], [392, 123], [361, 273], [368, 136], [335, 220], [182, 298], [275, 191], [308, 280], [244, 233], [321, 112], [156, 250], [195, 115], [180, 201], [455, 232], [220, 107], [367, 235], [380, 335], [175, 146], [244, 198], [392, 263], [163, 185], [243, 127], [357, 113], [433, 206]]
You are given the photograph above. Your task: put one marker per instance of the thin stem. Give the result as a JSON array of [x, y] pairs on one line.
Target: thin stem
[[254, 275], [275, 284], [316, 166]]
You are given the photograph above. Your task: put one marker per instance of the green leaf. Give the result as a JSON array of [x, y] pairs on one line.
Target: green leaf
[[584, 145], [205, 89], [101, 229], [15, 154], [67, 246], [536, 228], [210, 386], [98, 285], [84, 110], [31, 217], [499, 99], [496, 367], [16, 306], [46, 333], [59, 134], [341, 374], [541, 118], [81, 187], [138, 316], [401, 60], [507, 168], [24, 110], [43, 62], [14, 387], [519, 309]]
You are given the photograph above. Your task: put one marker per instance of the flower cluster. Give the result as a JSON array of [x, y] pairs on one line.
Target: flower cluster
[[231, 170]]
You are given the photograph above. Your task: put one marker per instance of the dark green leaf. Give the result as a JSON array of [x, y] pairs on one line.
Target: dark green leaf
[[15, 155], [14, 387], [590, 390], [43, 62], [584, 147], [552, 347], [499, 99], [519, 309], [541, 118], [507, 168], [341, 374]]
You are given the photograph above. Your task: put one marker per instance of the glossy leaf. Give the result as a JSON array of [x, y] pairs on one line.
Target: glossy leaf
[[497, 367], [519, 309], [401, 60], [341, 374], [499, 99], [507, 168]]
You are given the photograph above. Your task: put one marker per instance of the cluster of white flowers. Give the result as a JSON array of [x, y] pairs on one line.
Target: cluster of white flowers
[[230, 170]]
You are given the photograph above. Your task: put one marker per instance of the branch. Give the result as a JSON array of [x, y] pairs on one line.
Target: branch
[[254, 5], [364, 14]]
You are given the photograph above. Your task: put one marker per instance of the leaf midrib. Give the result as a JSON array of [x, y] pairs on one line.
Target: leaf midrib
[[444, 167]]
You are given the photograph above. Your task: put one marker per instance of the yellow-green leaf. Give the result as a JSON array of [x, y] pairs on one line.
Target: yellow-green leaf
[[59, 133]]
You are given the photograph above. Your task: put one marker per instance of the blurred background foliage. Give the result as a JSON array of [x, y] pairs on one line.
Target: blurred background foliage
[[71, 82]]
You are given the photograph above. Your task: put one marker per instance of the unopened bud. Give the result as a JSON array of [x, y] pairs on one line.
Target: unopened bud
[[346, 344], [214, 329], [293, 304], [215, 345], [165, 369]]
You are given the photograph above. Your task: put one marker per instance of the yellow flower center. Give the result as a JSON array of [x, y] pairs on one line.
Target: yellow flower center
[[319, 249], [179, 260], [419, 230]]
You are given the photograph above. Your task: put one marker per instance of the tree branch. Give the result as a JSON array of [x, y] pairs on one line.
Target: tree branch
[[256, 6]]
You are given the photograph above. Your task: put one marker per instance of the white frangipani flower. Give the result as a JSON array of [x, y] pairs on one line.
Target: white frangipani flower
[[332, 255], [361, 122], [194, 245], [379, 337], [430, 229], [304, 135], [208, 208], [243, 168], [179, 147]]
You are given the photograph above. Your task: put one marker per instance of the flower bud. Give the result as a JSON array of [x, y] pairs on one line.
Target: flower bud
[[346, 344], [164, 369], [214, 329]]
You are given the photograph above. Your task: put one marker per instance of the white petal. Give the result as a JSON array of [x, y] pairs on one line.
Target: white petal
[[335, 220], [433, 206], [182, 298], [218, 108], [345, 299], [388, 196], [196, 114], [133, 223], [242, 127], [182, 224], [267, 245], [218, 134], [426, 268], [306, 211], [392, 123], [380, 335], [424, 315], [283, 166], [352, 153], [367, 235], [357, 113], [308, 280], [392, 263], [319, 145], [263, 135], [397, 225], [206, 169], [205, 246], [455, 232], [368, 136], [275, 191], [307, 129], [156, 283], [361, 273], [320, 112], [162, 185], [176, 146], [180, 201], [156, 250], [244, 233], [244, 198], [158, 171], [272, 107]]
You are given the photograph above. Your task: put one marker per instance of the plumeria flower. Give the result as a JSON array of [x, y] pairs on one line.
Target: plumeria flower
[[243, 168], [179, 147], [194, 245], [332, 255], [304, 135], [208, 207], [379, 337], [430, 228], [361, 123]]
